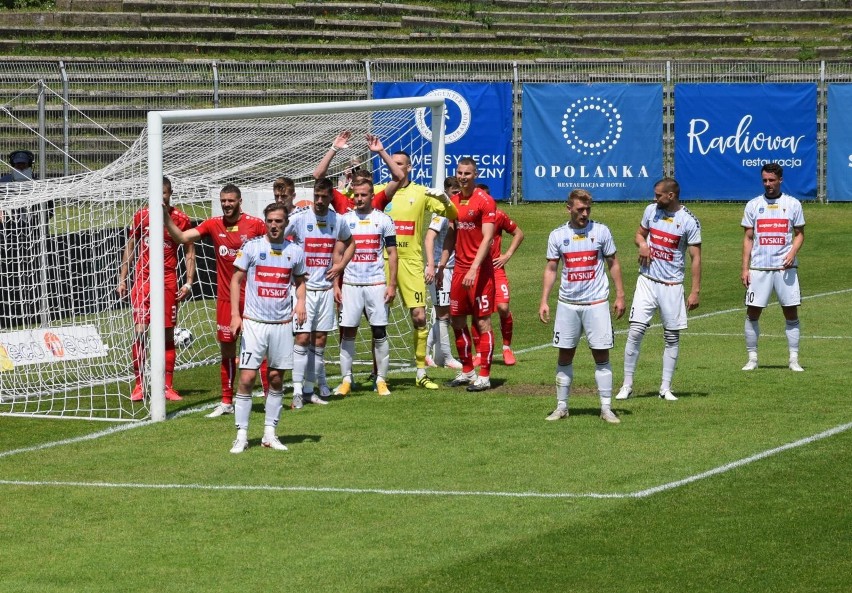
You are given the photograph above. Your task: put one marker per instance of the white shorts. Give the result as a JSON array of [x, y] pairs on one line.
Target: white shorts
[[364, 299], [668, 298], [441, 294], [274, 341], [321, 312], [573, 320], [785, 283]]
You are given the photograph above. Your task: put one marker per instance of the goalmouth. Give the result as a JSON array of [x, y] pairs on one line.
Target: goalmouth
[[157, 120]]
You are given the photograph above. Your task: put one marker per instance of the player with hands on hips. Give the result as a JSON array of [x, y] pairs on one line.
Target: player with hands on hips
[[667, 231]]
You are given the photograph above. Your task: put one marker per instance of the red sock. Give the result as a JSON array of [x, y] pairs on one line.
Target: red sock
[[506, 329], [227, 370], [475, 335], [464, 348], [137, 351], [486, 353], [171, 356], [264, 376]]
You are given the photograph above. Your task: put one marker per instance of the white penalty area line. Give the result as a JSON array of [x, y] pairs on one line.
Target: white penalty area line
[[706, 316], [446, 493]]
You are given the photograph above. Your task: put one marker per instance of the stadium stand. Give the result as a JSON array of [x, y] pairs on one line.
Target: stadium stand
[[510, 29]]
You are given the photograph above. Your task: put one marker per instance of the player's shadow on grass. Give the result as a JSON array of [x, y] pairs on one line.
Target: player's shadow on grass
[[656, 394], [289, 439]]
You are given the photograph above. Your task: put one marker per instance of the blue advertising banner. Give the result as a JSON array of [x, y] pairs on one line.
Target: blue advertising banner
[[606, 138], [479, 125], [724, 134], [839, 153]]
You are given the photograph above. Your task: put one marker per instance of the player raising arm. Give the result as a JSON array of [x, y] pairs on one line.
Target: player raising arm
[[227, 233]]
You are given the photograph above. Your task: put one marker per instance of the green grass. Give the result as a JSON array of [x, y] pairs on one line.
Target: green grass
[[778, 524]]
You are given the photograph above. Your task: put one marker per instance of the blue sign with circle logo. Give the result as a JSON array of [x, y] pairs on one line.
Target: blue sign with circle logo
[[605, 138], [478, 125]]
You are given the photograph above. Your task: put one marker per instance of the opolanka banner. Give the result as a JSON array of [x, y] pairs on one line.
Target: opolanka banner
[[605, 138]]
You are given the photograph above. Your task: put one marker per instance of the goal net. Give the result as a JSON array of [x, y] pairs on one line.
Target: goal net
[[66, 334]]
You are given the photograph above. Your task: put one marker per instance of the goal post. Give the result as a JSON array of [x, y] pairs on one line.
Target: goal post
[[156, 122]]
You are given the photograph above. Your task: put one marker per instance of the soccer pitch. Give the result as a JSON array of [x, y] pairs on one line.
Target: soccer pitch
[[741, 485]]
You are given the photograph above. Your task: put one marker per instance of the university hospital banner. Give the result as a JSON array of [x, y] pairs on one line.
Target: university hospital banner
[[725, 133], [839, 159], [478, 125], [605, 138]]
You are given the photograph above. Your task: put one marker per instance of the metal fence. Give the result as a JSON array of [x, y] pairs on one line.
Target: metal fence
[[93, 110]]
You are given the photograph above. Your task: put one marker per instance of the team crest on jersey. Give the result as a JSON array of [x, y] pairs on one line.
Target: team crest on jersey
[[760, 210], [310, 228], [351, 225], [262, 255], [388, 207], [566, 241]]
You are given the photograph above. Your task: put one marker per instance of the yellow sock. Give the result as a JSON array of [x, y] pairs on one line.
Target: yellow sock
[[421, 336]]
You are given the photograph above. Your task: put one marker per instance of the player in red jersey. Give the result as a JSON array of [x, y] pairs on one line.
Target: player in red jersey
[[472, 290], [140, 292], [342, 201], [501, 281], [227, 233]]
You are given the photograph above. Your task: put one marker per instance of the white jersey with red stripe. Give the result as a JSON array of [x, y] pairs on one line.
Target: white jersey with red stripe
[[270, 273], [582, 252], [669, 235], [371, 232], [772, 221], [317, 236]]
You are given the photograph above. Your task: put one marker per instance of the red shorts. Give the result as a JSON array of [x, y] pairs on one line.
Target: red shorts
[[478, 300], [140, 301], [501, 286], [223, 321]]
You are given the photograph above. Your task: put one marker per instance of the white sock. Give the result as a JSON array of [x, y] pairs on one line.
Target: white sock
[[242, 410], [444, 342], [347, 354], [300, 362], [273, 408], [382, 349], [631, 351], [564, 377], [670, 352], [603, 379], [793, 332], [310, 368], [319, 365], [752, 333]]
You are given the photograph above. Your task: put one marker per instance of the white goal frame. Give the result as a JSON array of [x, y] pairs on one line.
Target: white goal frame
[[156, 120]]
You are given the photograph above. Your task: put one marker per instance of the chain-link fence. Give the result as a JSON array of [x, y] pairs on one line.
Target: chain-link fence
[[93, 110]]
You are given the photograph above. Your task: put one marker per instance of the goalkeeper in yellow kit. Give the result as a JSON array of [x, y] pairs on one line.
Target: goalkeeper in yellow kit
[[411, 210]]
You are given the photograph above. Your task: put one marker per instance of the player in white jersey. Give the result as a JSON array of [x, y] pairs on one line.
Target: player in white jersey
[[583, 246], [273, 268], [365, 288], [440, 262], [774, 232], [667, 231], [328, 247]]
